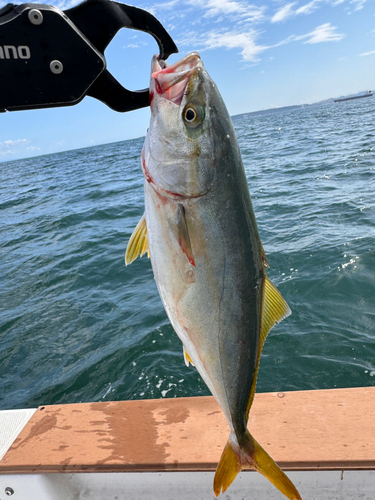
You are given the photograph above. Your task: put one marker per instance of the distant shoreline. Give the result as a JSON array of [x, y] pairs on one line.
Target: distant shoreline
[[299, 106], [234, 118]]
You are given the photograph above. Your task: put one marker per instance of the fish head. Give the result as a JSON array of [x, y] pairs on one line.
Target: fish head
[[181, 144]]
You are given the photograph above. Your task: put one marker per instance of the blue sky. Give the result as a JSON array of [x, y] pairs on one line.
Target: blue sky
[[261, 54]]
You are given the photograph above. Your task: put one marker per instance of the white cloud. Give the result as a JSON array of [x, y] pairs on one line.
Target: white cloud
[[66, 4], [11, 144], [308, 8], [230, 7], [244, 41], [324, 33], [251, 12], [165, 5], [135, 45], [358, 4], [168, 5], [12, 147], [283, 13], [60, 4], [368, 53], [236, 16], [233, 10], [9, 147], [287, 11]]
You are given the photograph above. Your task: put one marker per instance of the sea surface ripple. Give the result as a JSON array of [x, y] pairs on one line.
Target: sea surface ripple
[[77, 325]]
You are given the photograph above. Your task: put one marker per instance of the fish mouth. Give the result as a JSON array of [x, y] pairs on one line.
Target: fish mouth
[[170, 81]]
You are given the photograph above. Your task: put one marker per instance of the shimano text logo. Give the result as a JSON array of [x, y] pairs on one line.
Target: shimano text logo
[[12, 52]]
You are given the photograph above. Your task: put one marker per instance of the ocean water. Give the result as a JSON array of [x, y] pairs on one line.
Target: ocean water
[[77, 325]]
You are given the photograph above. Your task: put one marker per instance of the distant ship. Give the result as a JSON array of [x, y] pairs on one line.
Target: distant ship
[[367, 94]]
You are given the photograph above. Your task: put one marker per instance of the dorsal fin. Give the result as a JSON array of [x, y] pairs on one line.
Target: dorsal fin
[[138, 242], [274, 309]]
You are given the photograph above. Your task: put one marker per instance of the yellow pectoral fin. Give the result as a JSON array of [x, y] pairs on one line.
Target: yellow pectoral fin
[[138, 242], [183, 234], [274, 310], [187, 358]]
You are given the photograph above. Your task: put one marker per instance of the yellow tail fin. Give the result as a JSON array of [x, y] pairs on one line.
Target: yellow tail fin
[[227, 470], [251, 454]]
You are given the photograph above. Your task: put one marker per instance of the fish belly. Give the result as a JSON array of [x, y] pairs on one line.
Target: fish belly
[[210, 293]]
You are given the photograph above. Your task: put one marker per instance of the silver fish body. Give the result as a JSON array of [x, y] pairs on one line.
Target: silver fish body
[[206, 252]]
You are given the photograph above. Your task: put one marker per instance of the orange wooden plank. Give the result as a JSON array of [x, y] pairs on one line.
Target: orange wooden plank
[[330, 429]]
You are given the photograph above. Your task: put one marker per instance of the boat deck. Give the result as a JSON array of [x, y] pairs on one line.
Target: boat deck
[[328, 430]]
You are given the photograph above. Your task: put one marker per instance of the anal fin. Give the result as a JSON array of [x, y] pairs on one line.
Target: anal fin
[[187, 358]]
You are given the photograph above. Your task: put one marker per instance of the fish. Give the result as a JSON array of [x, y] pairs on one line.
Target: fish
[[200, 231]]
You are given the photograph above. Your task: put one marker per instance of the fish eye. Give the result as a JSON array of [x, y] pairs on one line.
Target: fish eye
[[189, 115], [193, 115]]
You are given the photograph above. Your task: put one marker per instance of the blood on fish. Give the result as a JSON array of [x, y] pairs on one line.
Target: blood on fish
[[145, 171], [174, 194], [158, 88], [151, 180], [189, 257], [192, 261], [162, 199]]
